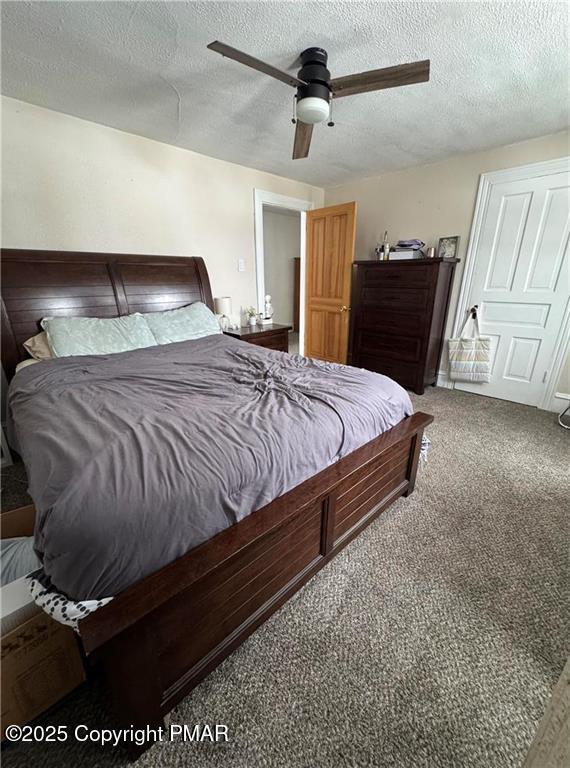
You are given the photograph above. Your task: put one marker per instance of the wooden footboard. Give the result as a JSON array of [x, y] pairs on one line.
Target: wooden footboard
[[159, 638]]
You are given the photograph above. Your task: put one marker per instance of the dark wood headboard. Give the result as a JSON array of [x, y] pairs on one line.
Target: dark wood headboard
[[38, 284]]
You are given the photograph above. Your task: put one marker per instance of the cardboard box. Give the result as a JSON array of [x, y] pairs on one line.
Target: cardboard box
[[17, 522], [40, 657], [40, 665]]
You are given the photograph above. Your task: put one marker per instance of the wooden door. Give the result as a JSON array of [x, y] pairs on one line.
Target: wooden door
[[296, 292], [330, 253], [520, 283]]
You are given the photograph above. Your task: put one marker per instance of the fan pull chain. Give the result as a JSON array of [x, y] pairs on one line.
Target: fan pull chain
[[331, 122], [294, 118]]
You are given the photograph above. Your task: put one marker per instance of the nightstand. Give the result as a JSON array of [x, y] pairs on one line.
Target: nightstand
[[271, 336]]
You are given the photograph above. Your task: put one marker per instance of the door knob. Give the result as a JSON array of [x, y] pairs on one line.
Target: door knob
[[345, 308]]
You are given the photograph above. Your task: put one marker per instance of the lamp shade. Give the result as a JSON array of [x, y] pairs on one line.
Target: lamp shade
[[223, 305]]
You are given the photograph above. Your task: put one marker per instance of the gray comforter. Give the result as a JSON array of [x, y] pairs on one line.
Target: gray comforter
[[133, 459]]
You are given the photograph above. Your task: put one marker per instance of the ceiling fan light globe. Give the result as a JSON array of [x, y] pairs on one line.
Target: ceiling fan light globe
[[312, 109]]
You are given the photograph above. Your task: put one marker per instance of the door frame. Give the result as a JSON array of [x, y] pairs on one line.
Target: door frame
[[486, 182], [263, 197]]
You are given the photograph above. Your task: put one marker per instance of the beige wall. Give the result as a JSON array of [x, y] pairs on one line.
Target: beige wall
[[74, 185], [281, 241], [432, 201]]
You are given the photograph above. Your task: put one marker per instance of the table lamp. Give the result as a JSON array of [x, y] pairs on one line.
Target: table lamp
[[223, 307]]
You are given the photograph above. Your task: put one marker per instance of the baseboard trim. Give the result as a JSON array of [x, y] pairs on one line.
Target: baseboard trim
[[558, 402], [444, 381]]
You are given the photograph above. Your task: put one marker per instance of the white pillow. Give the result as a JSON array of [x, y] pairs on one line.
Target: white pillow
[[191, 322], [96, 336]]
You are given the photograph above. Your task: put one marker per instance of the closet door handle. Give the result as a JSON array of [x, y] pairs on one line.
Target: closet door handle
[[344, 309]]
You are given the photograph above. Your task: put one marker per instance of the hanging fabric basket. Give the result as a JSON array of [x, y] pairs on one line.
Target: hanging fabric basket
[[470, 356]]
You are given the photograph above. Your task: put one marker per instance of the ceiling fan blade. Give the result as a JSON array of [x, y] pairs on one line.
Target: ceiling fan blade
[[303, 133], [250, 61], [377, 79]]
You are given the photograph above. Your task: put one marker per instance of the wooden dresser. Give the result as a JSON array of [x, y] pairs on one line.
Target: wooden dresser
[[398, 314]]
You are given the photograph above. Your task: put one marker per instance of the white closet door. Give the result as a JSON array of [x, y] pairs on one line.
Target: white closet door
[[521, 282]]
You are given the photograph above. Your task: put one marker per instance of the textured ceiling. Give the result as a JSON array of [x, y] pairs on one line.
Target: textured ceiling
[[499, 75]]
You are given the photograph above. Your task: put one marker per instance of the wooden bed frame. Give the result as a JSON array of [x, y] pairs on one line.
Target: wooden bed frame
[[159, 638]]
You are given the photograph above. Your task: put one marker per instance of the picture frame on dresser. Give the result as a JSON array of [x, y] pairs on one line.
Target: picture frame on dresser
[[448, 247]]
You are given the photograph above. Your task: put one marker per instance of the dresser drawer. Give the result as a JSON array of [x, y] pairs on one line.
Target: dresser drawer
[[388, 346], [378, 319], [406, 374], [278, 341], [392, 297], [398, 276], [274, 336]]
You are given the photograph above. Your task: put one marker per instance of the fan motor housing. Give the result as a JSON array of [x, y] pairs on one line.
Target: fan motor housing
[[315, 73]]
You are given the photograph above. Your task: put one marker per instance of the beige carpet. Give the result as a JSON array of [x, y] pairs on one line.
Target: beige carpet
[[434, 640]]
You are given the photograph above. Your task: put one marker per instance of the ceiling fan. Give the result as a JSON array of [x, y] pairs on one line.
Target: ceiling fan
[[315, 89]]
